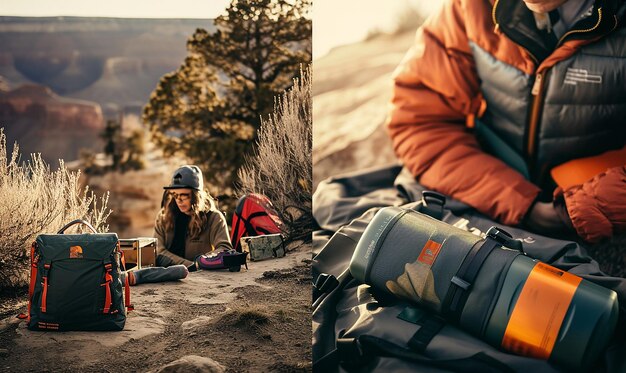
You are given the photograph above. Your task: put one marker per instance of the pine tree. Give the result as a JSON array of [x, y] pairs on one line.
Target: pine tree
[[112, 137], [126, 152], [210, 108]]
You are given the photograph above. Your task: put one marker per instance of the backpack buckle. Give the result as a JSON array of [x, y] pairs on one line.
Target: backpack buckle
[[432, 204], [351, 352], [504, 238], [325, 283]]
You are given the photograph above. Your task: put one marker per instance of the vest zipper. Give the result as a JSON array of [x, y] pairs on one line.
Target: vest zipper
[[493, 15], [538, 89], [497, 30], [537, 93], [582, 31]]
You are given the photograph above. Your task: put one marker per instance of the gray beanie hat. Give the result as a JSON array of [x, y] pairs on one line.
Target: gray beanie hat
[[187, 176]]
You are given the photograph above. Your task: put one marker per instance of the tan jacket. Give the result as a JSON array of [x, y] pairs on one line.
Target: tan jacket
[[214, 236]]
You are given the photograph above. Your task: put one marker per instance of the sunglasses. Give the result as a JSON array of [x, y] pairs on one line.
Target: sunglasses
[[180, 197]]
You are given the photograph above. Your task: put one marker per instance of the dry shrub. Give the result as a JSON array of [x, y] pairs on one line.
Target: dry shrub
[[281, 167], [33, 200], [249, 318]]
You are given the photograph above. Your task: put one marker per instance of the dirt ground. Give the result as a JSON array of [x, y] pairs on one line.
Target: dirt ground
[[252, 321]]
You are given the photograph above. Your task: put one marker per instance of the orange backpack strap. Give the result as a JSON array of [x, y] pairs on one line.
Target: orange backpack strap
[[578, 171], [129, 307], [44, 277], [107, 287], [33, 278]]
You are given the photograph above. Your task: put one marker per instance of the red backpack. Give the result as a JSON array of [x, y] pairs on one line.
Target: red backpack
[[254, 216]]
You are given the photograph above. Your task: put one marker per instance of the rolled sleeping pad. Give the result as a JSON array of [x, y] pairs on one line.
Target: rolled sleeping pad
[[487, 286], [231, 259]]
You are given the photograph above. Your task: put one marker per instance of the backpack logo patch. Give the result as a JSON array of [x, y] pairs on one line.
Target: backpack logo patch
[[76, 252], [575, 76], [429, 252]]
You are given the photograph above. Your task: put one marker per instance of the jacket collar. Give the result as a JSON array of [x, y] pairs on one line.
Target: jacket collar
[[516, 21]]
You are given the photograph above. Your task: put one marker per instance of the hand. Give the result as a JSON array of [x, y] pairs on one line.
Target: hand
[[544, 217]]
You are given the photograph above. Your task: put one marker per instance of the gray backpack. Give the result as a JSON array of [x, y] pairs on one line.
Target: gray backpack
[[358, 328]]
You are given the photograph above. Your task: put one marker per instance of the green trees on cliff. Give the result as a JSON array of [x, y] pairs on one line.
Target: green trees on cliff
[[210, 108]]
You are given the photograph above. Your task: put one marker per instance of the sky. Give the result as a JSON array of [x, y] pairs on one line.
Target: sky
[[348, 21], [335, 22], [115, 8]]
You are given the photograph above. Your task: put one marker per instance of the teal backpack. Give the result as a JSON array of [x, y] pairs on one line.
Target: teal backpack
[[76, 282]]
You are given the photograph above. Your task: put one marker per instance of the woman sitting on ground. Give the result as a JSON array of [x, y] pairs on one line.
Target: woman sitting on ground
[[188, 225]]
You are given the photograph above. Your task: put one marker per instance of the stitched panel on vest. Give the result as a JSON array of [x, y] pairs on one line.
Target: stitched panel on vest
[[582, 120], [586, 79], [613, 45], [558, 150], [506, 91], [504, 114], [585, 103]]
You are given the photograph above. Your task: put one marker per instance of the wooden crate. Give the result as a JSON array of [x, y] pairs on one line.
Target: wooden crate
[[139, 252]]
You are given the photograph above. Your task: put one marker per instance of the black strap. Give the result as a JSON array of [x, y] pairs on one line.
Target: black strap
[[257, 214], [458, 293], [331, 296], [250, 231], [432, 204], [236, 245], [325, 283], [430, 326], [465, 276], [355, 352], [262, 230], [282, 244], [256, 230]]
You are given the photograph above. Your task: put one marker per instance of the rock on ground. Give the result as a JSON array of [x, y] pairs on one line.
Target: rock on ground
[[192, 327], [191, 364]]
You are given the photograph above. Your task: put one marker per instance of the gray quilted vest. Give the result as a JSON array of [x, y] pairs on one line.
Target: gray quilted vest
[[582, 98]]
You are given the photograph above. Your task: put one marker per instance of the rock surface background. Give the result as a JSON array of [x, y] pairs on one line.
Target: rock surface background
[[80, 72], [351, 91], [41, 121]]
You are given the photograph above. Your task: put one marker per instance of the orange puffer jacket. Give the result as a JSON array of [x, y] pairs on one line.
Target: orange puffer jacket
[[438, 90]]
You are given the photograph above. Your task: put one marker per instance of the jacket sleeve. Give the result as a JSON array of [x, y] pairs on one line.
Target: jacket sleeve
[[435, 87], [597, 207], [159, 234], [220, 239]]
